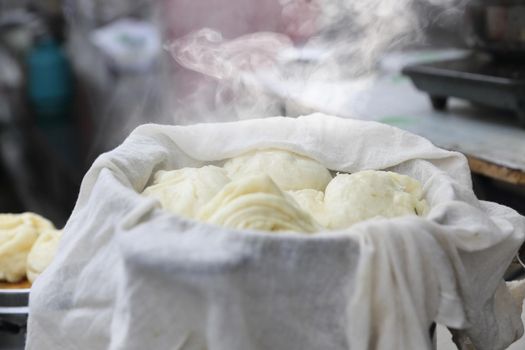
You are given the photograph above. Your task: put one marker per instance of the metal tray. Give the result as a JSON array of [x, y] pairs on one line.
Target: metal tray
[[14, 297], [476, 78], [13, 318]]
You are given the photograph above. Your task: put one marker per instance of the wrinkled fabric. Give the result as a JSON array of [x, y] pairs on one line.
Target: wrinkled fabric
[[129, 275]]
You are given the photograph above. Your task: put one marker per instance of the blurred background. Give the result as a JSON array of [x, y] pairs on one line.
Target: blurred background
[[76, 76]]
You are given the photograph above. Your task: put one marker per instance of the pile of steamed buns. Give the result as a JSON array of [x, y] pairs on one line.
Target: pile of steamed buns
[[28, 243], [267, 190], [277, 190]]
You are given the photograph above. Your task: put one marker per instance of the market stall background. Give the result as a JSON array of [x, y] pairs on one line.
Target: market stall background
[[77, 76]]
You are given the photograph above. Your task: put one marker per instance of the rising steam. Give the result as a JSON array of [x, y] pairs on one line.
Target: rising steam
[[264, 74]]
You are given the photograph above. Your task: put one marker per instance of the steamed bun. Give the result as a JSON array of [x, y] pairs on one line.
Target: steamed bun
[[257, 203], [312, 202], [185, 190], [18, 232], [42, 253], [350, 198], [277, 190], [290, 171]]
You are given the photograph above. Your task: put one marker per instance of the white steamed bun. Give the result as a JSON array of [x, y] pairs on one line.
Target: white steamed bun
[[290, 171], [42, 253], [185, 190], [18, 233], [350, 198], [312, 202], [257, 203]]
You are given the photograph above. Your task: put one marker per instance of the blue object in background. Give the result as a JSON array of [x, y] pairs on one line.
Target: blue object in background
[[50, 93], [49, 82]]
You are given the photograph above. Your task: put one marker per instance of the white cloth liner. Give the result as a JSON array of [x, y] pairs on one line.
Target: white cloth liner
[[129, 275]]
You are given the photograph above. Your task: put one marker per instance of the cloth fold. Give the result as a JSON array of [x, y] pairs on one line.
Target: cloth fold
[[399, 302]]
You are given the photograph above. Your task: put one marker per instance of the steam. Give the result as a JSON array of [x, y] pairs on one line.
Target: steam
[[206, 51], [233, 64], [264, 74], [327, 57]]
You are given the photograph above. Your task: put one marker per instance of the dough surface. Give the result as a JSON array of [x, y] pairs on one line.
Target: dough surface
[[257, 203], [185, 191], [42, 253], [18, 232], [350, 198], [312, 202], [277, 190], [290, 171]]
